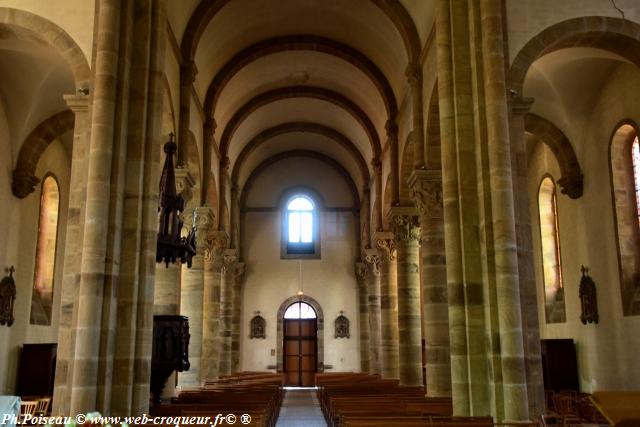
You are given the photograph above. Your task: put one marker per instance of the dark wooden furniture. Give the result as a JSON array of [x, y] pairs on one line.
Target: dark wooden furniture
[[37, 369], [170, 350], [559, 365]]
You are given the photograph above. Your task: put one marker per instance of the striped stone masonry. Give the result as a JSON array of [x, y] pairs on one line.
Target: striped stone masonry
[[385, 242], [372, 262]]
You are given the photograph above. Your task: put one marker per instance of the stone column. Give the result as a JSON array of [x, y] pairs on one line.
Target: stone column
[[230, 264], [188, 72], [372, 261], [465, 293], [86, 352], [514, 383], [385, 241], [528, 297], [224, 177], [363, 304], [79, 104], [213, 268], [426, 191], [407, 233], [192, 296], [238, 279], [414, 76]]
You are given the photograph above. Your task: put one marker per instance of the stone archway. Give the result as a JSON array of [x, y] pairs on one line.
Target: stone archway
[[283, 307]]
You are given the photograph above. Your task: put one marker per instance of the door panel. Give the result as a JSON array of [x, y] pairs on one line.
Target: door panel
[[300, 351]]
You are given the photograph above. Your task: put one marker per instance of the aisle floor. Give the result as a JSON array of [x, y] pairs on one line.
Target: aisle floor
[[300, 408]]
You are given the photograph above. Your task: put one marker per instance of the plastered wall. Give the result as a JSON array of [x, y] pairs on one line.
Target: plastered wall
[[19, 226], [607, 352], [270, 280]]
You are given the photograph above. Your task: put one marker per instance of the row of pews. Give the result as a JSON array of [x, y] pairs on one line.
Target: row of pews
[[257, 394], [363, 400]]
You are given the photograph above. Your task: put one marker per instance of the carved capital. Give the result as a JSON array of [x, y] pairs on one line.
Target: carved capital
[[372, 260], [23, 183], [386, 242], [188, 72], [405, 224], [426, 193], [572, 185], [414, 74], [184, 183], [229, 259], [217, 243], [78, 103]]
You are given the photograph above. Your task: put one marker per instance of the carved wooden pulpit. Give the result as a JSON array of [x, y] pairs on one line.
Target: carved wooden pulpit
[[170, 350]]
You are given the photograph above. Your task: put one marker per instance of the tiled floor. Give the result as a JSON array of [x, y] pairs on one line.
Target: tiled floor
[[300, 408]]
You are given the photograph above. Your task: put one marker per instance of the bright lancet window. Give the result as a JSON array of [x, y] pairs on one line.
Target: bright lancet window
[[300, 310], [42, 296], [300, 220], [635, 156], [550, 242]]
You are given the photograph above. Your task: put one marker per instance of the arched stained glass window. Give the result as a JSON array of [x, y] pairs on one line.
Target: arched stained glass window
[[300, 310], [635, 158], [42, 296], [551, 260]]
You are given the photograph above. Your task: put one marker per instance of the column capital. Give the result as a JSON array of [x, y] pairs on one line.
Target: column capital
[[217, 242], [405, 223], [185, 183], [386, 242], [572, 185], [520, 105], [78, 103], [425, 189], [372, 261], [188, 72]]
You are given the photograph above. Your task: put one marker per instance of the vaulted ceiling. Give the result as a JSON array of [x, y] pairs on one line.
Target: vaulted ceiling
[[315, 75]]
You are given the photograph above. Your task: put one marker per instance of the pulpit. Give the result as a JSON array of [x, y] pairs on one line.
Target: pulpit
[[170, 350]]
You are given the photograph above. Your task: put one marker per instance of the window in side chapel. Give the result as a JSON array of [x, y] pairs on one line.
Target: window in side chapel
[[551, 261], [42, 296]]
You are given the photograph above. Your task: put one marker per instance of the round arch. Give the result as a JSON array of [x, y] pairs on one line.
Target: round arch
[[299, 92], [320, 323], [572, 179], [613, 34], [393, 9], [53, 35], [310, 127], [300, 153], [24, 179], [296, 43]]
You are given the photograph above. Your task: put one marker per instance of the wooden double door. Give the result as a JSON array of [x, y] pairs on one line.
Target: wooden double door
[[300, 352]]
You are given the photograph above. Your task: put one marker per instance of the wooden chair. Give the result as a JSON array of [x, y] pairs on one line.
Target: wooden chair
[[43, 406], [28, 407]]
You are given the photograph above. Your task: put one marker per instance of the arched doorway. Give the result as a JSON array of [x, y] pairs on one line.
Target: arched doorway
[[300, 340], [300, 345]]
